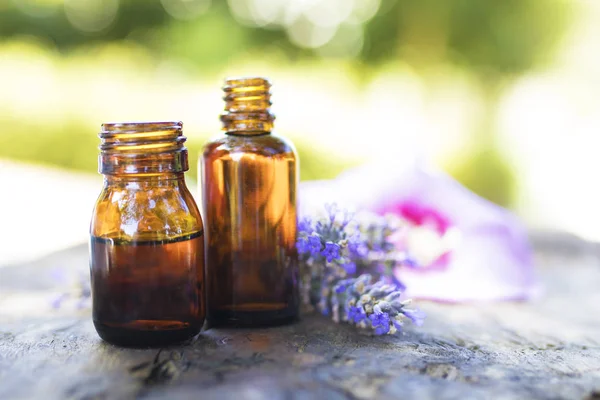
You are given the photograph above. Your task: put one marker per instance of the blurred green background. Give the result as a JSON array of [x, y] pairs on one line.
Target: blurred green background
[[469, 84]]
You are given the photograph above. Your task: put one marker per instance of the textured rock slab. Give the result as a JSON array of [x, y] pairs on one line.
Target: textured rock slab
[[548, 348]]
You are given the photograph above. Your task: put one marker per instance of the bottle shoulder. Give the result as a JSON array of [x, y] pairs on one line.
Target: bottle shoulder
[[145, 212], [265, 145]]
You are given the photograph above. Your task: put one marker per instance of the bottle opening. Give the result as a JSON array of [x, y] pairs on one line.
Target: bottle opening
[[137, 127], [247, 106], [142, 148]]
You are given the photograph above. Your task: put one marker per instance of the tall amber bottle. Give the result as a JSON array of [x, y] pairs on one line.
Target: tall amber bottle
[[147, 244], [249, 181]]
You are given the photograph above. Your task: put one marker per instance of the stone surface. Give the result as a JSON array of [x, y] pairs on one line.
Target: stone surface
[[546, 348]]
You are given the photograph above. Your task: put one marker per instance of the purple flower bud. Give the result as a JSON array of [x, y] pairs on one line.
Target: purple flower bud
[[58, 300], [302, 245], [399, 285], [357, 246], [340, 288], [350, 268], [347, 218], [314, 242], [305, 225], [331, 251], [415, 315], [332, 210], [380, 319], [356, 314], [410, 262], [397, 324], [382, 329]]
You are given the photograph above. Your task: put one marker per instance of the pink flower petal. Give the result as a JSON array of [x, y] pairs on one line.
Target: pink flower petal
[[492, 259]]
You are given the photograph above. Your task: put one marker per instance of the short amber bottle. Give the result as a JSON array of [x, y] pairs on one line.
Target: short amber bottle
[[249, 181], [147, 244]]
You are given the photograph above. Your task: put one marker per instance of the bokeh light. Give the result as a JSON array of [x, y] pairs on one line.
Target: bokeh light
[[38, 8], [347, 42], [91, 15], [304, 33], [363, 11], [186, 9], [330, 13], [258, 12], [312, 23]]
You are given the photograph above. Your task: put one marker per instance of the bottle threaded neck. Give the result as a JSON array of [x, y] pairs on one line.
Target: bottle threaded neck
[[247, 106], [142, 148]]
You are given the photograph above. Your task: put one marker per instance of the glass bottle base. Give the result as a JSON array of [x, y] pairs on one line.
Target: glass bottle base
[[147, 333]]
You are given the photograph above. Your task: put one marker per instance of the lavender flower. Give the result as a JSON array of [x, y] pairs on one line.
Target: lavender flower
[[356, 314], [377, 302], [77, 292], [331, 211], [347, 270], [305, 225], [384, 328], [410, 262], [379, 319], [57, 301], [314, 243], [357, 246], [350, 268], [302, 245], [416, 316], [331, 251]]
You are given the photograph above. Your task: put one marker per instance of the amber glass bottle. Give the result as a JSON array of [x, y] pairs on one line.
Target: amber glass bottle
[[147, 244], [249, 180]]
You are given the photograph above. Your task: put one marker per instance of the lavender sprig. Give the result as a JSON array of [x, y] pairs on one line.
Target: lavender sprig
[[79, 294], [340, 255], [376, 305]]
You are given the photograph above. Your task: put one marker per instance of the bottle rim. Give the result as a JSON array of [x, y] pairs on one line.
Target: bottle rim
[[109, 128], [142, 148], [247, 106]]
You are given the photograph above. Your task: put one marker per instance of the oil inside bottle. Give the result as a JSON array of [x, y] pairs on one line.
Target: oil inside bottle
[[146, 293], [251, 256]]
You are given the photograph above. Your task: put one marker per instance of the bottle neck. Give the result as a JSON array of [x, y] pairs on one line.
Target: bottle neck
[[154, 180], [139, 150], [247, 107]]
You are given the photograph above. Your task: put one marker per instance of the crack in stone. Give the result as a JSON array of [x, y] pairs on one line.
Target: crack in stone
[[157, 371]]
